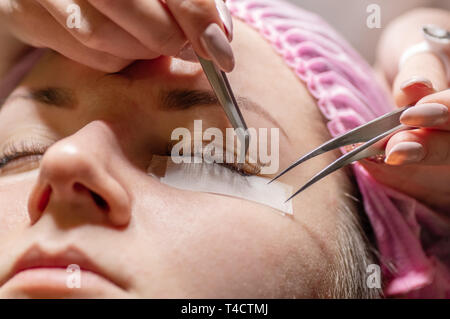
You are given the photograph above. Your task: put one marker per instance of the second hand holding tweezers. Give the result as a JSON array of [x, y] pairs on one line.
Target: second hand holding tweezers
[[374, 134]]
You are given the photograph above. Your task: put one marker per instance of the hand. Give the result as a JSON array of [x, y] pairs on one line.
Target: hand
[[421, 76], [429, 144], [418, 160], [114, 33]]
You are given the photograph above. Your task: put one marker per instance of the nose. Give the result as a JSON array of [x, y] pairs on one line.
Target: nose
[[76, 173]]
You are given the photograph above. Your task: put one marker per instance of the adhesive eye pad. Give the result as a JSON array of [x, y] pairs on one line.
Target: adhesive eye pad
[[217, 179]]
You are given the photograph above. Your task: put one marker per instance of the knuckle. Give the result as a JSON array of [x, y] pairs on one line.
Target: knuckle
[[197, 8], [17, 13], [10, 7], [90, 36], [167, 41], [441, 154], [404, 136], [171, 43]]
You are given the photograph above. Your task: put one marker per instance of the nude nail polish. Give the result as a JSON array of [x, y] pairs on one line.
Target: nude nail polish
[[405, 153], [430, 114], [225, 16], [417, 81], [216, 44]]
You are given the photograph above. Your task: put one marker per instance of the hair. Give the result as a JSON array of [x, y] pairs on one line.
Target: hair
[[354, 249], [322, 59]]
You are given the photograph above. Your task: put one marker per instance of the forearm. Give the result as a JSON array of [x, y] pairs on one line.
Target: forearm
[[404, 32]]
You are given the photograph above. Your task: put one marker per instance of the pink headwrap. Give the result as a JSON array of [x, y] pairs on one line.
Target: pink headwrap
[[413, 241]]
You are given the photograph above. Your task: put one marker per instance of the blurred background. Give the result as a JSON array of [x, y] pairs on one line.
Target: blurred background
[[349, 18]]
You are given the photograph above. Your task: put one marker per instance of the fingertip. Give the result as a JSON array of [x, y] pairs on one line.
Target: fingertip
[[425, 115], [405, 153], [412, 89], [416, 82], [215, 42], [421, 75]]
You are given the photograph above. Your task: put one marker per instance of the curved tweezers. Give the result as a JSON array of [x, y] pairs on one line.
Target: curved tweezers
[[372, 133]]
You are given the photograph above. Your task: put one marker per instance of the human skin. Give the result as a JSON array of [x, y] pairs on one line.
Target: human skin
[[109, 35], [157, 241], [421, 157]]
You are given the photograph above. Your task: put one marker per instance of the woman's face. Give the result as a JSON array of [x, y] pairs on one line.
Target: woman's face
[[91, 202]]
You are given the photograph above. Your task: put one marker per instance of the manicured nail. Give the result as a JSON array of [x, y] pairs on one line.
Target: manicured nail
[[430, 114], [417, 82], [216, 44], [405, 153], [225, 16]]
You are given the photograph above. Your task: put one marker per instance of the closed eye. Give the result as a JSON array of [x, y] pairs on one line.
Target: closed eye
[[21, 157]]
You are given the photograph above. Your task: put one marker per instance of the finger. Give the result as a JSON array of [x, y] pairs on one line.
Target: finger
[[53, 36], [432, 111], [97, 31], [148, 21], [420, 146], [421, 75], [203, 26]]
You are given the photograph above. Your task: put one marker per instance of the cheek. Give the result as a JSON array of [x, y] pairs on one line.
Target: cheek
[[210, 246], [13, 203]]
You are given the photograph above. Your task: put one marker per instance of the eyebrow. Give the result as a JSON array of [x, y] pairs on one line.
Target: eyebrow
[[179, 99], [53, 96], [184, 99]]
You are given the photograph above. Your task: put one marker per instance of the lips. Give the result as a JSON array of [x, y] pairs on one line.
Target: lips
[[39, 272], [37, 258]]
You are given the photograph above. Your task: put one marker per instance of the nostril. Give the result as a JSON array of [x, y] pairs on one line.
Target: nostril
[[44, 199], [99, 201]]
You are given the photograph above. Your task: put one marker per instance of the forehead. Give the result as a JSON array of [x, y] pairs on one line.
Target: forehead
[[265, 76]]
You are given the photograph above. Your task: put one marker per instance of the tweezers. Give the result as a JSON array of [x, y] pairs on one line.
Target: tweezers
[[221, 86], [374, 133]]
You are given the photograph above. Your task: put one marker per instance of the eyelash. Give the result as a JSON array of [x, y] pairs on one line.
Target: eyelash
[[16, 151], [246, 169], [241, 168], [23, 149]]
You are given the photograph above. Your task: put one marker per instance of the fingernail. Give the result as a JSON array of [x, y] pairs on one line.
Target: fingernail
[[187, 53], [225, 16], [216, 44], [417, 82], [405, 153], [430, 114]]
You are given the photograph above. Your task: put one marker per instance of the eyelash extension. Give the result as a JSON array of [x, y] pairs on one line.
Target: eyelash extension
[[15, 151], [244, 169]]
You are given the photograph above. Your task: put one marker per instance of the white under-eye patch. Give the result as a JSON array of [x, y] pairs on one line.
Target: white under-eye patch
[[217, 179]]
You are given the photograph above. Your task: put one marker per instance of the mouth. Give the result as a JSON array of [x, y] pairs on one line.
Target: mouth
[[68, 273]]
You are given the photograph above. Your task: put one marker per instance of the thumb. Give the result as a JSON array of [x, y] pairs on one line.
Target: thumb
[[421, 75]]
